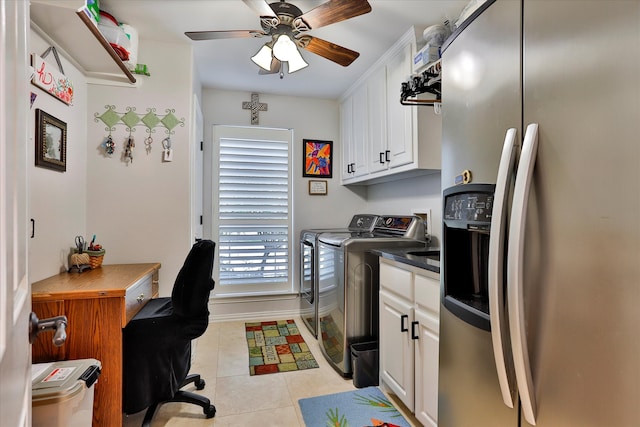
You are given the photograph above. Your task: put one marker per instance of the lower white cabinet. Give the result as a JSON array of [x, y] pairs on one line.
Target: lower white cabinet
[[409, 344]]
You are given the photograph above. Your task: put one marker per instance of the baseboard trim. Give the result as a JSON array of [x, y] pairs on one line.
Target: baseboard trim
[[254, 308]]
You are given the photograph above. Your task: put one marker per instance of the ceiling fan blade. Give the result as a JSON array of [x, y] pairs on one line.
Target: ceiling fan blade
[[331, 51], [335, 11], [215, 35], [261, 7], [275, 67]]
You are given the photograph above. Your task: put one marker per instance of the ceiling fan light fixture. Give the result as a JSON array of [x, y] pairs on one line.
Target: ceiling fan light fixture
[[263, 57], [284, 48], [296, 62]]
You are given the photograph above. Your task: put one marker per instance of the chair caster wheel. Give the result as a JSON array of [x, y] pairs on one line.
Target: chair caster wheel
[[210, 412], [199, 384]]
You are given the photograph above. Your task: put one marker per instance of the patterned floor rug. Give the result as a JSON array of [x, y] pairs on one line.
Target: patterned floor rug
[[277, 346], [363, 407]]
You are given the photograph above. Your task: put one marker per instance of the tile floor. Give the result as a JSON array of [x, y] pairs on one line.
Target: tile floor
[[221, 357]]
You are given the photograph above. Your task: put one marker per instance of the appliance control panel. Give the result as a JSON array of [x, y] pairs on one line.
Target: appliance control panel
[[398, 223], [363, 223], [469, 207]]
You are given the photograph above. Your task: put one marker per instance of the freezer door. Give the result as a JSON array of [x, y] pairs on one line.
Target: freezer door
[[582, 242], [481, 94]]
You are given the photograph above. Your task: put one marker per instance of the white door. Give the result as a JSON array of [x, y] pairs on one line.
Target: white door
[[15, 291], [197, 166]]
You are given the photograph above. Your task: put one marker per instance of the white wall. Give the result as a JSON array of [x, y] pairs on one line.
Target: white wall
[[57, 200], [409, 195], [140, 211]]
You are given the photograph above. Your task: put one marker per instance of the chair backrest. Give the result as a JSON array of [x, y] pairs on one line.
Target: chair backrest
[[190, 295]]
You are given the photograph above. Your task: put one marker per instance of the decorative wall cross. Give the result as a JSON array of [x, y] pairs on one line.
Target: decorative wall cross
[[255, 106]]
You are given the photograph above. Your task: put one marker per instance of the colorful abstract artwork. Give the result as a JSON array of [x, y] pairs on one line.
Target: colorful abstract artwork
[[318, 158]]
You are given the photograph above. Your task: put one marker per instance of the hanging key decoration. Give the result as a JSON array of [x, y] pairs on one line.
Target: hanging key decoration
[[129, 145], [147, 144], [108, 145], [167, 154]]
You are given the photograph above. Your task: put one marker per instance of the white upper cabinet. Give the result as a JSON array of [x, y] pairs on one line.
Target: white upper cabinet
[[400, 118], [355, 134], [399, 141]]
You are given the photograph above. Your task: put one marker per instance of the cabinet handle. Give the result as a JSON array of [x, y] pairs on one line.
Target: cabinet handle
[[140, 298], [403, 327], [386, 155], [382, 158], [349, 168], [353, 168], [413, 331]]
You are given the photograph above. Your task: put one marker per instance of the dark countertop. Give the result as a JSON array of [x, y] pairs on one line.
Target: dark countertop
[[402, 255]]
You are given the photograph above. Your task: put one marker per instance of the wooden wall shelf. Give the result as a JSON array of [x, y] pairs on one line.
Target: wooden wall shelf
[[78, 39]]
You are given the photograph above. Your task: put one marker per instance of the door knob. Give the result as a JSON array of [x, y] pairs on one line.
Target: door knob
[[57, 324]]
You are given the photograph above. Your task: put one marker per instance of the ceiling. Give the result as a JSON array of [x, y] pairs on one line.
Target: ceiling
[[226, 64]]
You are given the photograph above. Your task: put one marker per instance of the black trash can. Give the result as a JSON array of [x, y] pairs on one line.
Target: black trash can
[[364, 364]]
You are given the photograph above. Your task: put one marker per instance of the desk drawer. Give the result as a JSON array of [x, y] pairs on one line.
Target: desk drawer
[[137, 296]]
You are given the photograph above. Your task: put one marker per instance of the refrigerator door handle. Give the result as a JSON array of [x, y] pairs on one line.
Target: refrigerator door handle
[[497, 315], [515, 273]]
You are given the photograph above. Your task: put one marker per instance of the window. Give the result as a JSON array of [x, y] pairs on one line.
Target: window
[[252, 209]]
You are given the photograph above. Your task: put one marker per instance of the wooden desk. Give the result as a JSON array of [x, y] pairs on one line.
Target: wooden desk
[[98, 304]]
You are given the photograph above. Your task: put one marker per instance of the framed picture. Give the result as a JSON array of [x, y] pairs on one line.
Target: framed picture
[[317, 158], [51, 142], [317, 188]]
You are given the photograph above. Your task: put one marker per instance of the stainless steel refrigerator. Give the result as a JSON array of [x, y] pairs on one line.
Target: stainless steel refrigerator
[[540, 316]]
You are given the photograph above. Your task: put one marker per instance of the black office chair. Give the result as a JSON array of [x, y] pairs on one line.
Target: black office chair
[[157, 341]]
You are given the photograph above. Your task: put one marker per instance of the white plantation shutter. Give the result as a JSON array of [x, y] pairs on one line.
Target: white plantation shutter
[[253, 209]]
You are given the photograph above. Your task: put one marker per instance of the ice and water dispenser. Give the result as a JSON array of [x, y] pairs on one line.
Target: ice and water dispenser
[[467, 221]]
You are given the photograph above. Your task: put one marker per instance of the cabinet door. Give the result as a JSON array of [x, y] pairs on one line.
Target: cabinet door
[[400, 118], [346, 133], [377, 86], [396, 347], [426, 368], [360, 132]]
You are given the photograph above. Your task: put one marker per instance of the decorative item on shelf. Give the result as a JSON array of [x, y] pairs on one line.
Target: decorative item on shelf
[[49, 79], [141, 69]]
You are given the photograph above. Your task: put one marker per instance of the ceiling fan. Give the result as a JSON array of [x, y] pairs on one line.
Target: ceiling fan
[[288, 26]]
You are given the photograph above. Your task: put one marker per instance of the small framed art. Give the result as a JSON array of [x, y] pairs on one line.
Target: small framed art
[[317, 158], [317, 188], [51, 142]]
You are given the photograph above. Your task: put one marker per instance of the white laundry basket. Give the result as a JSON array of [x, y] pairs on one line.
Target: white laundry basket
[[63, 393]]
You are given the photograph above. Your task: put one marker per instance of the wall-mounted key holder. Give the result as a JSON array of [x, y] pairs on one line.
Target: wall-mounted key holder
[[131, 121]]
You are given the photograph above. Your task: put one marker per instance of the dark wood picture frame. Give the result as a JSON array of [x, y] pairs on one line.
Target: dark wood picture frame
[[51, 142], [317, 158]]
